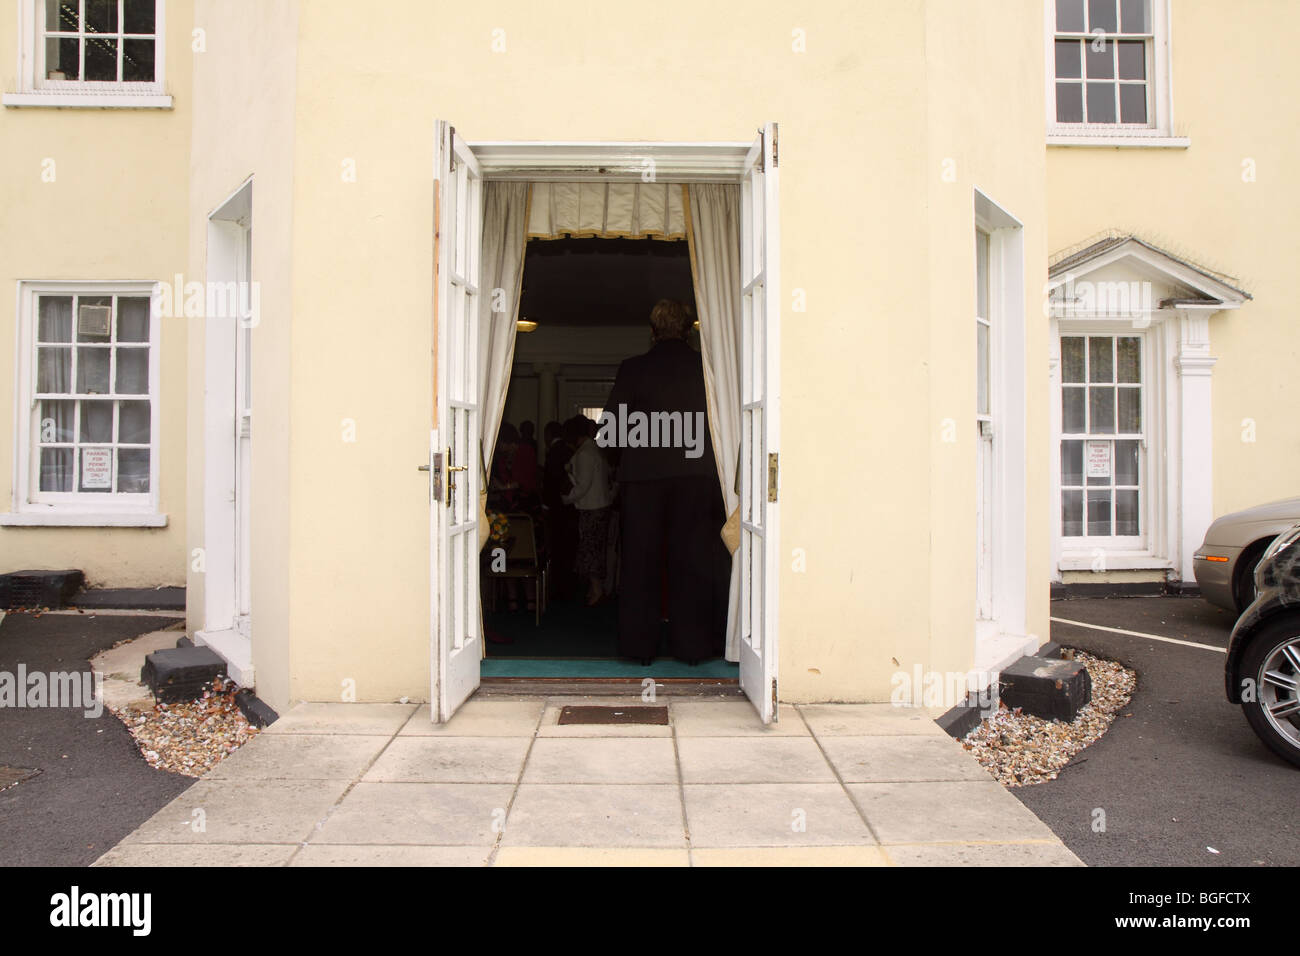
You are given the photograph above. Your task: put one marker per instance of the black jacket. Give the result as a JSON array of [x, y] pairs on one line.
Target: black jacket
[[667, 379]]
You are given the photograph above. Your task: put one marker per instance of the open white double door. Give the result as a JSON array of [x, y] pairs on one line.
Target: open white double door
[[456, 471]]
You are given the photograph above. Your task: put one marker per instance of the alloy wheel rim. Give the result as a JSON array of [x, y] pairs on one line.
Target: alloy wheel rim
[[1279, 689]]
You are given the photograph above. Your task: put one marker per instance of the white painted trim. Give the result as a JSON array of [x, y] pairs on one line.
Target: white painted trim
[[1111, 140], [1164, 266], [235, 649], [88, 100], [595, 161], [77, 519]]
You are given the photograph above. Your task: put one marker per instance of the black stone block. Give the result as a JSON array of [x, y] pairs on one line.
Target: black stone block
[[1049, 688], [181, 673], [255, 710], [28, 589]]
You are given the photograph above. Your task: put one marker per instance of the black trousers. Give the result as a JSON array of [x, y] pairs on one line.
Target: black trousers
[[670, 526]]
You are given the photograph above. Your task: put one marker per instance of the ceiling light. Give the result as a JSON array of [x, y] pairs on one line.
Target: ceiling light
[[526, 325]]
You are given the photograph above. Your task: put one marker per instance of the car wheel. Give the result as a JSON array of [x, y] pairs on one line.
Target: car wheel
[[1272, 662], [1243, 576]]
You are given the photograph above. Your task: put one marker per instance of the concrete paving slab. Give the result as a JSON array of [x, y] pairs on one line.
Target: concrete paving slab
[[732, 719], [254, 811], [585, 856], [315, 854], [763, 814], [946, 812], [908, 757], [332, 718], [580, 815], [480, 718], [450, 760], [1048, 853], [753, 760], [804, 856], [418, 814], [856, 720], [300, 757], [601, 760], [189, 855]]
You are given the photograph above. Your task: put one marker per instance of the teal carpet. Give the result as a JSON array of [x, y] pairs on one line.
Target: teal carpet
[[574, 640]]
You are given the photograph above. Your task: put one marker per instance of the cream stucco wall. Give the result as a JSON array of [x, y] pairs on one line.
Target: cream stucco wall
[[879, 243], [1232, 74], [116, 210]]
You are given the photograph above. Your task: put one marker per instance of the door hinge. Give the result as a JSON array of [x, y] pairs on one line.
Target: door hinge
[[451, 147], [773, 467], [775, 143], [776, 710]]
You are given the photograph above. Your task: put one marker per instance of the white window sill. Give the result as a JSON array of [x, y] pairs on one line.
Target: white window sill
[[1114, 561], [1112, 140], [83, 519], [88, 101]]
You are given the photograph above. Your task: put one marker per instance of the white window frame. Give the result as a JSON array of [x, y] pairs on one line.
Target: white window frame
[[1159, 130], [35, 91], [77, 509], [1148, 498]]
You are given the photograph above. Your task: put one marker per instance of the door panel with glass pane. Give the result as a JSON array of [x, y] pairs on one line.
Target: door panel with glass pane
[[1102, 438]]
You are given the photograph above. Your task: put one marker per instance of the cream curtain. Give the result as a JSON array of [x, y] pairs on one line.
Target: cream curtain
[[505, 215], [607, 210], [713, 230]]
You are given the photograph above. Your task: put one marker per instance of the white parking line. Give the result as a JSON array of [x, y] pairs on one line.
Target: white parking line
[[1149, 637]]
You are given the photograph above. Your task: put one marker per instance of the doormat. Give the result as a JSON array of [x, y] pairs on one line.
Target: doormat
[[614, 715], [12, 776]]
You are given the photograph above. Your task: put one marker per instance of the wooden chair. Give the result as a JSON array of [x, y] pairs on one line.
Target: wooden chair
[[524, 561]]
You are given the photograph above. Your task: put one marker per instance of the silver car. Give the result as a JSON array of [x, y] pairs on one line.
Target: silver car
[[1225, 564]]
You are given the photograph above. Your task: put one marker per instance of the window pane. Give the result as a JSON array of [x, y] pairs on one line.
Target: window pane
[[1072, 513], [101, 60], [981, 274], [1101, 16], [61, 59], [1069, 102], [1132, 56], [1100, 62], [86, 329], [54, 319], [1101, 102], [1072, 462], [54, 371], [1133, 103], [1099, 512], [1069, 16], [92, 371], [96, 470], [1130, 410], [1129, 359], [57, 421], [133, 423], [132, 319], [133, 470], [1126, 462], [1101, 410], [982, 368], [1101, 359], [1072, 359], [1073, 420], [61, 16], [97, 423], [139, 16], [1126, 513], [132, 371], [56, 469], [137, 61], [101, 16], [1134, 17], [1068, 61]]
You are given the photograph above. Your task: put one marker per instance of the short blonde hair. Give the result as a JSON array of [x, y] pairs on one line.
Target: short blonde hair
[[669, 319]]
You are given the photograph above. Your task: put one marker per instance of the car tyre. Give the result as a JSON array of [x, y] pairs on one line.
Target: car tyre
[[1272, 662]]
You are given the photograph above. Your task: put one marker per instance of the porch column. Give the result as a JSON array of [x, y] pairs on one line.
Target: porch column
[[1195, 366]]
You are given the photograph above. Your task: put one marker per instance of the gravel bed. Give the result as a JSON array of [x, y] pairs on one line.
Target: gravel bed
[[190, 737], [1020, 749]]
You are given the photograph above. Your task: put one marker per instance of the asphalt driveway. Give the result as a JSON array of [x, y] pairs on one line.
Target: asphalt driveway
[[93, 787], [1180, 772]]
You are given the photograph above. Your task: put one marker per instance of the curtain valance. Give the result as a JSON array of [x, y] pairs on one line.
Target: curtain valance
[[607, 211]]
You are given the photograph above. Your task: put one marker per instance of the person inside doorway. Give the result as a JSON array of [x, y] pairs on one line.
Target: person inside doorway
[[592, 494], [668, 492]]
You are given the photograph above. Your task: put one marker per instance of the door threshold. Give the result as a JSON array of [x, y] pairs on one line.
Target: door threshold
[[719, 689]]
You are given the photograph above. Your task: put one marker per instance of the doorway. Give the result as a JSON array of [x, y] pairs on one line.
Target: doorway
[[584, 308]]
